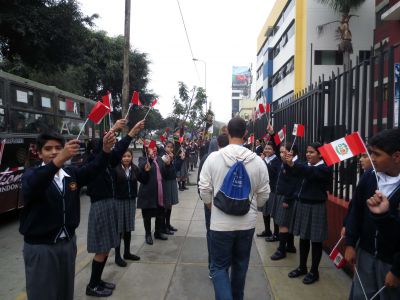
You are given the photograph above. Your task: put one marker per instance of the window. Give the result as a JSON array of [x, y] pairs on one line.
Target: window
[[27, 122], [328, 57], [259, 72], [285, 70], [283, 40], [378, 20], [235, 94], [364, 55], [22, 97]]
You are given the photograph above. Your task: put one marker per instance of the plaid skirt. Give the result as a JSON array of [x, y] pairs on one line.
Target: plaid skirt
[[310, 221], [102, 233], [126, 209], [170, 193], [270, 206], [283, 216], [183, 172]]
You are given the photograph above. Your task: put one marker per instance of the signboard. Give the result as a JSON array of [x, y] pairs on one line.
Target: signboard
[[241, 77]]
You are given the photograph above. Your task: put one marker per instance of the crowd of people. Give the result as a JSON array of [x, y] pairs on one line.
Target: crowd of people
[[290, 194]]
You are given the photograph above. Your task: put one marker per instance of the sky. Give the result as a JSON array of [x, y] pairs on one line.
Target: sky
[[223, 33]]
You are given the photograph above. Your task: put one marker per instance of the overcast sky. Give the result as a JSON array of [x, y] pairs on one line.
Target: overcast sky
[[223, 33]]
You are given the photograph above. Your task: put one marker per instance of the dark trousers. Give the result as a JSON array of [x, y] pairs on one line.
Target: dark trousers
[[158, 213], [207, 215], [50, 270], [230, 249]]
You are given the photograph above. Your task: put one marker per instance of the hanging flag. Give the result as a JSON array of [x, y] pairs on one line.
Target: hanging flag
[[135, 99], [98, 112], [153, 103], [342, 149], [261, 108], [280, 136], [268, 108], [337, 258], [298, 130]]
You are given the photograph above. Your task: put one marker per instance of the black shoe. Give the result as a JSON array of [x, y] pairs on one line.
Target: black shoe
[[98, 291], [107, 285], [120, 262], [278, 255], [297, 272], [171, 228], [263, 234], [271, 238], [131, 256], [167, 231], [291, 249], [311, 278], [149, 239], [160, 236], [184, 185]]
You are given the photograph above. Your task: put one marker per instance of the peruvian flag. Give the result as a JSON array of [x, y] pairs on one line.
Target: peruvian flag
[[162, 138], [280, 136], [180, 140], [98, 112], [106, 100], [135, 99], [261, 108], [153, 103], [337, 258], [342, 149], [152, 144], [268, 108], [266, 137], [298, 130], [250, 140]]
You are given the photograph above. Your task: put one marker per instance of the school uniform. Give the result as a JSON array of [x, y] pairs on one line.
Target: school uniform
[[102, 224], [51, 213], [376, 237], [310, 216], [170, 186], [273, 164]]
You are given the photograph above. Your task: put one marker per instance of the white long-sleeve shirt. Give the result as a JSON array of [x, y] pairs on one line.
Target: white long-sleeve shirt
[[212, 176]]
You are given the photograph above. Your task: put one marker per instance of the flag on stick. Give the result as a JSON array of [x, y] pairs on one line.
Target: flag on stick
[[280, 136], [180, 139], [268, 108], [106, 100], [153, 103], [152, 144], [337, 258], [98, 112], [261, 108], [135, 99], [342, 149], [162, 138], [298, 130], [250, 140]]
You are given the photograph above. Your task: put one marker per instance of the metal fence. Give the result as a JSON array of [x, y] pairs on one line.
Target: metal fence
[[364, 98]]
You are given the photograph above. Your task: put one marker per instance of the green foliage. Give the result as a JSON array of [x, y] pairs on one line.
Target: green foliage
[[342, 6]]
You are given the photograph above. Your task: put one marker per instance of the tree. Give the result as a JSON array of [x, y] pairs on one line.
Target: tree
[[343, 31]]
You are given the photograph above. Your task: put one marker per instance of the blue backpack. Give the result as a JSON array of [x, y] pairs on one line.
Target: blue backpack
[[233, 196]]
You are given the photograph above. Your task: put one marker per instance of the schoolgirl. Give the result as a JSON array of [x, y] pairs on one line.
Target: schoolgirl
[[181, 168], [127, 175], [310, 216]]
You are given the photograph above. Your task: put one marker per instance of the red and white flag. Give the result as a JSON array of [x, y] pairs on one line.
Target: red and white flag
[[152, 144], [135, 99], [180, 139], [337, 258], [261, 108], [267, 108], [342, 149], [298, 130], [250, 140], [153, 103], [162, 138], [98, 112], [280, 136]]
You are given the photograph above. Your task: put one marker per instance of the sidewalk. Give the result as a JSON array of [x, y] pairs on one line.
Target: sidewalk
[[177, 268]]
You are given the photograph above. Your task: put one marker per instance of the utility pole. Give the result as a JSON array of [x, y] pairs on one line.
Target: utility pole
[[125, 84]]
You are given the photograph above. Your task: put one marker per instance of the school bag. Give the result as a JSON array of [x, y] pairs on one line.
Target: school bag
[[233, 196]]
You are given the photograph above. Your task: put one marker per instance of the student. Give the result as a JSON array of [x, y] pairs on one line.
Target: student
[[127, 175], [182, 168], [102, 233], [259, 148], [150, 197], [273, 163], [51, 214], [170, 186], [287, 186], [375, 252], [310, 219]]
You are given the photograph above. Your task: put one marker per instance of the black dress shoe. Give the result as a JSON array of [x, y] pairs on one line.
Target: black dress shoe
[[311, 278], [149, 239], [262, 234], [271, 238], [167, 231], [291, 249], [278, 255], [98, 291], [107, 285], [171, 228], [131, 256], [120, 262], [297, 272], [160, 236]]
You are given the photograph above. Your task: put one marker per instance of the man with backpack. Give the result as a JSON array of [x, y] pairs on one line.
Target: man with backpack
[[233, 183]]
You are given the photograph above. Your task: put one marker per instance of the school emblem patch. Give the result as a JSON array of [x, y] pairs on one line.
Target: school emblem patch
[[73, 186], [342, 149]]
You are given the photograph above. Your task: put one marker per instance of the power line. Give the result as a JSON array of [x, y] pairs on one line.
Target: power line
[[188, 40]]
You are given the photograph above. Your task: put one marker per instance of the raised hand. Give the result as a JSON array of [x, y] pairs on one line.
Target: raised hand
[[137, 128], [378, 203], [119, 125], [270, 129], [147, 167], [108, 141], [71, 148]]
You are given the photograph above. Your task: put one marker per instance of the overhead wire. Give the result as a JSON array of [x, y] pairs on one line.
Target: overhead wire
[[188, 40]]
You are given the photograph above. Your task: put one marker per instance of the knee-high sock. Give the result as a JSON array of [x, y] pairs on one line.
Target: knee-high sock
[[283, 236], [276, 229], [290, 240], [304, 250], [97, 270], [168, 217], [267, 221], [316, 254], [127, 242]]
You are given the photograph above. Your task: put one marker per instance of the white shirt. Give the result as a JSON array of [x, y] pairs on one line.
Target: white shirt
[[321, 162], [269, 159], [387, 184], [127, 171]]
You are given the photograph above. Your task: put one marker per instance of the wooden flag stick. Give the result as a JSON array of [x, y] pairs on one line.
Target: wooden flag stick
[[129, 109], [82, 128], [147, 113]]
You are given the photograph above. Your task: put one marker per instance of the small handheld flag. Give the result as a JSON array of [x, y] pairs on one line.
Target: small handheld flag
[[180, 139], [152, 144], [162, 138], [280, 136], [298, 130], [135, 99], [250, 140], [268, 108], [98, 112], [153, 103], [261, 108], [106, 100], [337, 258]]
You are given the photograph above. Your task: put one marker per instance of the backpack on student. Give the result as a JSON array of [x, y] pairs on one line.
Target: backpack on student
[[233, 196]]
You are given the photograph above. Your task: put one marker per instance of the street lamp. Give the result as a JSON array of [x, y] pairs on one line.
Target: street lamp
[[205, 77]]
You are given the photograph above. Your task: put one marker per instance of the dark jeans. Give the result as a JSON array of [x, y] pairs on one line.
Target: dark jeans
[[207, 214], [230, 249]]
